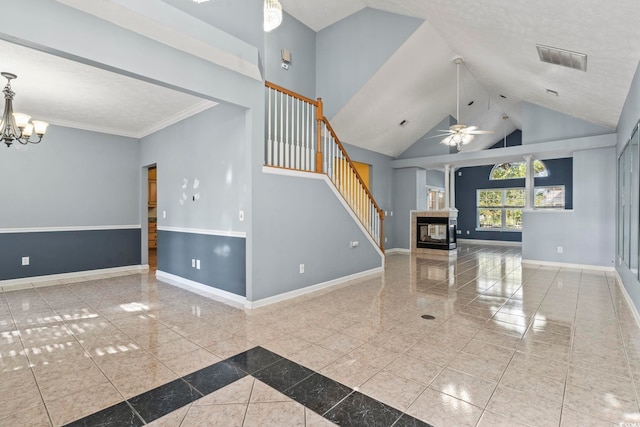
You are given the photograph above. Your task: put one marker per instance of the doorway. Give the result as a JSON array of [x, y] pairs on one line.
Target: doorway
[[152, 217]]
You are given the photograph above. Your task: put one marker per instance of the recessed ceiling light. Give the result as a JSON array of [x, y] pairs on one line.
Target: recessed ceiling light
[[552, 92], [404, 123], [200, 1]]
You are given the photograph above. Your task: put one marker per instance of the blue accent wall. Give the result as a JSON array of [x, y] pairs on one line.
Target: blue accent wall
[[222, 259], [57, 252], [469, 180]]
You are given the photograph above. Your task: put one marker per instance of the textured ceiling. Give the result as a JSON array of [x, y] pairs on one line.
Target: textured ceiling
[[68, 93], [497, 40]]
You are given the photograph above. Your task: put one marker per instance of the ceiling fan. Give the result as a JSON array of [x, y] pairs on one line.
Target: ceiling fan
[[460, 134]]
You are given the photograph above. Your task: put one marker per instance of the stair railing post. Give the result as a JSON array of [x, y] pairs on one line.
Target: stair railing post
[[381, 216], [319, 116]]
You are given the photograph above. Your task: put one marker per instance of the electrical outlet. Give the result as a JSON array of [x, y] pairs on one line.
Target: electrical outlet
[[198, 264], [164, 214], [25, 260], [391, 213], [560, 249], [458, 231], [193, 263], [301, 268], [354, 244], [241, 215], [467, 231], [385, 240]]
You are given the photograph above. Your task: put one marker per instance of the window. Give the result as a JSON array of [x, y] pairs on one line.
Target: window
[[500, 209], [435, 198], [516, 170]]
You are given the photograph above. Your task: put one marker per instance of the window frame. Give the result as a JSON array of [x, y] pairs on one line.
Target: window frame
[[544, 173]]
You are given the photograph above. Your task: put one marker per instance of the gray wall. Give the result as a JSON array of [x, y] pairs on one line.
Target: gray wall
[[587, 234], [303, 222], [208, 165], [222, 259], [300, 40], [628, 119], [73, 178], [209, 147], [240, 18], [540, 124], [350, 51], [406, 185]]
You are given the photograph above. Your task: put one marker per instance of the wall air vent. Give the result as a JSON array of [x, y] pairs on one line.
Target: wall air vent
[[566, 58]]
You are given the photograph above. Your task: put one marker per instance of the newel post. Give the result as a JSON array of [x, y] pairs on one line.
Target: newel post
[[319, 116]]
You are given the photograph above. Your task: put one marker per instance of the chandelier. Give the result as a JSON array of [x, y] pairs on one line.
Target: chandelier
[[16, 126], [272, 14]]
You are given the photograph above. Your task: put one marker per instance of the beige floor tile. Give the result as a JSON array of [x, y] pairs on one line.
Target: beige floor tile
[[349, 372], [232, 415], [480, 367], [142, 378], [489, 419], [441, 409], [275, 413], [573, 418], [414, 369], [314, 420], [230, 347], [541, 386], [474, 390], [517, 405], [392, 389], [190, 362], [35, 416], [600, 403], [82, 403], [315, 357], [262, 393]]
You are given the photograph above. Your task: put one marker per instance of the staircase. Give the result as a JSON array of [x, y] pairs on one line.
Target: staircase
[[299, 137]]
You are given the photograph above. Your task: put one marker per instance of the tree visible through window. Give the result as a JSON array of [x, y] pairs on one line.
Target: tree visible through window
[[514, 170]]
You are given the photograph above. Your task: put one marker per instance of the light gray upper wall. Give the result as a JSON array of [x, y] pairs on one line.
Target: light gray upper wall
[[587, 233], [406, 184], [72, 178], [429, 145], [434, 178], [240, 18], [304, 223], [209, 147], [350, 51], [630, 113], [628, 120], [300, 40], [540, 124]]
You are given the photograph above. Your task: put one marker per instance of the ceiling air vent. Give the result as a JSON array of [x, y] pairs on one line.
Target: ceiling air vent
[[566, 58]]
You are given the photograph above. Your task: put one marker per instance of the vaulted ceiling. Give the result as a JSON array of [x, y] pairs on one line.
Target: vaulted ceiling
[[496, 38]]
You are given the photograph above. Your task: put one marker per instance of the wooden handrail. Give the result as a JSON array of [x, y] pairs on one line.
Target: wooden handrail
[[350, 162], [290, 93], [319, 161]]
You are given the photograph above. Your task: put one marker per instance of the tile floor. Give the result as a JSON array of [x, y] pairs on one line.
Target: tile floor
[[510, 345]]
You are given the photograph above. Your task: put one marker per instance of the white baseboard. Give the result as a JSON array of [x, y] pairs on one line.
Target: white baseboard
[[202, 289], [634, 309], [397, 251], [310, 289], [568, 265], [489, 242], [7, 284]]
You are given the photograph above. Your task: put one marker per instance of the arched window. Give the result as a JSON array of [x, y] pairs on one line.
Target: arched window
[[514, 170]]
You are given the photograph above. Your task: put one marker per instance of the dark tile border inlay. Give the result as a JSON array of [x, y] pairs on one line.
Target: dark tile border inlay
[[329, 398]]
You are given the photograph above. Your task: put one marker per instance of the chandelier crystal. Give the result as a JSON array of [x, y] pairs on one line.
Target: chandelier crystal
[[272, 14], [16, 126]]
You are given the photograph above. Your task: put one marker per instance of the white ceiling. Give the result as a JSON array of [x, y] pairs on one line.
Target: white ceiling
[[72, 94], [496, 38]]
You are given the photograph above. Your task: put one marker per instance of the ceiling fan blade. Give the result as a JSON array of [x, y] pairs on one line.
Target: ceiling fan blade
[[438, 136], [444, 130], [470, 128]]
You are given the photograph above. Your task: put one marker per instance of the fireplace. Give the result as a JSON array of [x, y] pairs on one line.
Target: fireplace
[[436, 233]]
